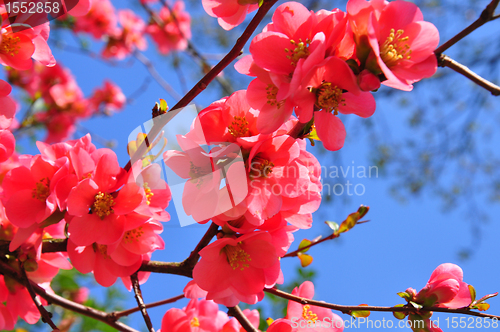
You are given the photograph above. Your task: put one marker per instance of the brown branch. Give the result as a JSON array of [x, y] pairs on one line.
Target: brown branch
[[184, 268], [65, 303], [347, 309], [46, 316], [205, 240], [140, 301], [167, 267], [446, 61], [242, 319], [486, 16], [209, 77], [295, 252], [124, 313]]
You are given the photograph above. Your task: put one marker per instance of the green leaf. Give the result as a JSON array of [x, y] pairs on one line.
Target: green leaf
[[405, 296], [305, 259], [363, 210], [472, 292], [482, 306], [304, 243], [361, 313], [416, 305], [163, 106], [333, 225], [399, 314]]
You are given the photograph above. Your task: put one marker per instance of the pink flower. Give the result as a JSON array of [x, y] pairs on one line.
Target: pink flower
[[175, 32], [155, 191], [197, 316], [331, 87], [95, 258], [238, 269], [110, 97], [304, 315], [229, 13], [16, 48], [100, 214], [128, 38], [99, 21], [203, 197], [225, 120], [29, 195], [445, 288], [400, 44]]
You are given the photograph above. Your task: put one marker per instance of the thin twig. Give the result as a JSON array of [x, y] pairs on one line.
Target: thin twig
[[347, 309], [242, 319], [486, 16], [140, 301], [65, 303], [190, 46], [154, 73], [205, 240], [46, 316], [446, 61], [209, 77], [295, 252], [124, 313]]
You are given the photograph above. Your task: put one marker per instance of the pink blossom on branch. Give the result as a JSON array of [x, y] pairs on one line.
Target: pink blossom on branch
[[229, 13], [174, 30], [393, 39], [445, 288], [238, 269]]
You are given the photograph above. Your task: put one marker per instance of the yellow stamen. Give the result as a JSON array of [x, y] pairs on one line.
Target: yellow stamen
[[195, 322], [300, 51], [103, 205], [9, 45], [42, 191], [395, 48], [149, 193], [239, 127], [309, 315], [133, 235], [237, 257], [271, 92], [329, 97]]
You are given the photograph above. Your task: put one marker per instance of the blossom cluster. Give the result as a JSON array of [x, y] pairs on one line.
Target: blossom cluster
[[325, 63], [124, 31], [271, 188], [112, 217], [203, 315]]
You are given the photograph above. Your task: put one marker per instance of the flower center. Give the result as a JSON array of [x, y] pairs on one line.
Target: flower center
[[271, 92], [237, 257], [41, 191], [261, 168], [102, 249], [133, 235], [195, 322], [309, 315], [300, 51], [395, 48], [239, 127], [9, 45], [329, 97], [103, 205], [149, 193]]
